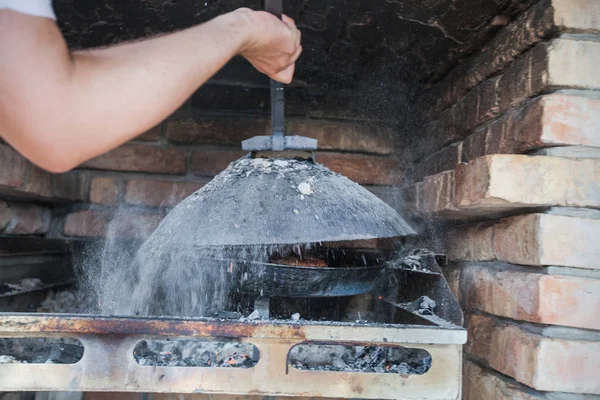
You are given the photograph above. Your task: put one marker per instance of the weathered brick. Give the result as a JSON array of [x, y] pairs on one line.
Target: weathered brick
[[24, 219], [499, 138], [487, 106], [438, 193], [363, 169], [577, 15], [484, 384], [515, 84], [572, 63], [347, 136], [89, 223], [452, 275], [540, 239], [210, 163], [152, 134], [443, 160], [158, 192], [12, 167], [104, 190], [21, 178], [539, 362], [331, 135], [470, 243], [215, 130], [505, 182], [532, 239], [474, 145], [560, 119], [140, 158], [534, 25], [5, 215], [546, 299]]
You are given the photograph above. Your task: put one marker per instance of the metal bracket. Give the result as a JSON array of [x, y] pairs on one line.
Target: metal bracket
[[279, 143]]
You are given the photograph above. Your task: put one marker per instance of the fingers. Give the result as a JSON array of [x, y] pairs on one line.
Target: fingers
[[296, 55], [286, 75]]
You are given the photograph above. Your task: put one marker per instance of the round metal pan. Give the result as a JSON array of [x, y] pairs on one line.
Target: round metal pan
[[266, 279]]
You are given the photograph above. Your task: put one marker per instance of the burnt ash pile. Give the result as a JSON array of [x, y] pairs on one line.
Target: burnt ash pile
[[189, 353], [393, 360], [40, 350]]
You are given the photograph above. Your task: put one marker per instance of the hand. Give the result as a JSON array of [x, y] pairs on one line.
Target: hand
[[271, 45]]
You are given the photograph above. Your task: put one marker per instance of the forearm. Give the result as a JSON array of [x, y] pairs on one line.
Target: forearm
[[81, 105]]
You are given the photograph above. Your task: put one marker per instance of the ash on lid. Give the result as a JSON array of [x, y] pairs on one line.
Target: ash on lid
[[275, 201]]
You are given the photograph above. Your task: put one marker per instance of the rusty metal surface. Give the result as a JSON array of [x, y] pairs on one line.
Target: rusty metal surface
[[28, 323], [108, 363]]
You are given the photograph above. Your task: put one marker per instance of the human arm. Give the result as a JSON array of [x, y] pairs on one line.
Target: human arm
[[60, 109]]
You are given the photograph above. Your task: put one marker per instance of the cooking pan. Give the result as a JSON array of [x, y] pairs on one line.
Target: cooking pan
[[273, 279]]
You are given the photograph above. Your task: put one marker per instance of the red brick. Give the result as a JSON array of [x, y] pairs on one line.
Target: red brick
[[367, 170], [483, 384], [546, 299], [140, 158], [506, 182], [499, 137], [12, 167], [158, 192], [331, 135], [104, 190], [210, 163], [24, 219], [5, 215], [443, 160], [530, 239], [347, 136], [487, 106], [470, 243], [474, 144], [215, 130], [151, 135], [360, 168], [559, 119], [539, 362], [97, 223], [21, 178], [438, 193]]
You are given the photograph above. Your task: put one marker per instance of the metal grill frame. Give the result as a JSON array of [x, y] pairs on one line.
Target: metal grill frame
[[108, 364]]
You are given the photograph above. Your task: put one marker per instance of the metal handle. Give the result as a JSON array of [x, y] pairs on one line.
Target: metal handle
[[275, 7], [278, 141]]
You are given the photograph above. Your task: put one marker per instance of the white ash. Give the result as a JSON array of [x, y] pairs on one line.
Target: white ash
[[4, 359], [397, 360], [413, 259], [304, 188], [424, 305], [196, 353], [66, 301], [40, 350], [24, 285], [295, 317]]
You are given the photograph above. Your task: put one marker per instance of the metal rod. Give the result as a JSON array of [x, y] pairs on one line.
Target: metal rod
[[275, 7]]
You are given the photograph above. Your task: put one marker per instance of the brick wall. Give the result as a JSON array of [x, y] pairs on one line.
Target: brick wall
[[509, 166]]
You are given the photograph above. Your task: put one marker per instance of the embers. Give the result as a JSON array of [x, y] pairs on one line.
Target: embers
[[391, 359], [196, 353]]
